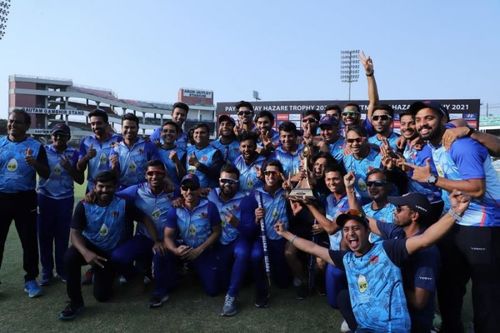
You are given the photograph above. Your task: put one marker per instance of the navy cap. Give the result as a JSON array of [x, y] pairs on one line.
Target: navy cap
[[328, 121], [414, 200], [225, 117], [191, 178], [351, 214], [417, 106], [61, 127]]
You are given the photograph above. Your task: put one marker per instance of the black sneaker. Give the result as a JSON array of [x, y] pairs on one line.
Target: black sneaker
[[157, 301], [70, 311], [301, 291], [262, 302]]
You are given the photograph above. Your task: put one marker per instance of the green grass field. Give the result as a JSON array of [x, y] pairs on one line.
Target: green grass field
[[188, 309]]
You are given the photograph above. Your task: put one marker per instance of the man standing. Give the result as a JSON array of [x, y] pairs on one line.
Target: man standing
[[56, 201], [172, 156], [471, 250], [95, 150], [236, 211], [227, 143], [249, 163], [97, 229], [130, 156], [179, 115], [245, 113], [382, 123], [332, 142], [289, 151], [21, 159]]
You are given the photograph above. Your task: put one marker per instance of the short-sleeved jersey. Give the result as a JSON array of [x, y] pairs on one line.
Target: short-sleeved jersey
[[155, 206], [337, 149], [334, 208], [275, 209], [467, 159], [204, 156], [170, 165], [361, 168], [289, 161], [101, 161], [229, 151], [248, 173], [59, 185], [15, 174], [391, 140], [181, 142], [275, 139], [194, 226]]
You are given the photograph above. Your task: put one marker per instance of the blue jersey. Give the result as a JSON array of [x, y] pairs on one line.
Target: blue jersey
[[376, 288], [419, 157], [337, 149], [240, 205], [275, 209], [275, 139], [467, 159], [385, 214], [16, 174], [105, 224], [206, 157], [392, 140], [133, 160], [248, 173], [100, 162], [181, 142], [229, 151], [155, 206], [334, 208], [59, 185], [194, 226], [361, 169], [170, 165], [289, 161]]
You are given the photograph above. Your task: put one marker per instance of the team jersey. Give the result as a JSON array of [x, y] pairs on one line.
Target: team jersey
[[392, 140], [101, 161], [206, 157], [194, 226], [155, 206], [419, 157], [105, 224], [275, 139], [275, 209], [334, 208], [337, 149], [289, 161], [181, 142], [170, 165], [59, 185], [133, 160], [361, 169], [385, 214], [468, 159], [248, 173], [17, 175], [243, 209], [375, 286], [229, 151]]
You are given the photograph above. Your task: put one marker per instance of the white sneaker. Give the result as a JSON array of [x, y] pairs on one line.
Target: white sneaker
[[344, 328]]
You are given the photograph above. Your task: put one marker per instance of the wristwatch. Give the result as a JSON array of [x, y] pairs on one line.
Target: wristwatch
[[432, 179]]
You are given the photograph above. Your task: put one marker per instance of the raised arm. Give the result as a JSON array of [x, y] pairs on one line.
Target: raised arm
[[372, 84], [349, 180]]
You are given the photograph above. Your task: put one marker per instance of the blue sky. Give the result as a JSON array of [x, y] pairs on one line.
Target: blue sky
[[287, 50]]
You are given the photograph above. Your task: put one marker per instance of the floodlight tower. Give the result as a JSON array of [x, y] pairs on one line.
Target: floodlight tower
[[349, 67], [4, 15]]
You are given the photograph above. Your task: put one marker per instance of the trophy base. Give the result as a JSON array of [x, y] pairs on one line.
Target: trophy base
[[301, 193]]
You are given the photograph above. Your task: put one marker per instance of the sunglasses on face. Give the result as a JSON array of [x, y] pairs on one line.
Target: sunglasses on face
[[155, 173], [228, 181], [376, 183], [349, 114], [383, 117], [189, 187], [400, 208], [244, 113], [271, 173], [309, 120], [358, 140], [60, 135]]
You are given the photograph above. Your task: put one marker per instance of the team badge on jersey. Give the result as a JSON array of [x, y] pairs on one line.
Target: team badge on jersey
[[57, 169], [12, 165], [362, 283], [103, 232], [362, 185], [132, 167], [192, 230], [103, 159], [155, 214]]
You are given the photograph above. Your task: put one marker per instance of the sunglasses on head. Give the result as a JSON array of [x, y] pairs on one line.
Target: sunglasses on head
[[358, 140], [228, 181], [376, 183], [191, 187], [349, 114], [383, 117], [268, 173], [244, 113]]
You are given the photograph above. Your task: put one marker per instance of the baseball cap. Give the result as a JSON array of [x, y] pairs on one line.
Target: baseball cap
[[417, 106], [414, 200], [327, 121], [61, 127], [351, 214], [191, 178], [225, 117]]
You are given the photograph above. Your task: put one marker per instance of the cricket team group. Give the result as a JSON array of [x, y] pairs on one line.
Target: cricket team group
[[389, 227]]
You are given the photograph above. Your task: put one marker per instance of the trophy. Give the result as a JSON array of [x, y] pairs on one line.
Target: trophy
[[302, 190]]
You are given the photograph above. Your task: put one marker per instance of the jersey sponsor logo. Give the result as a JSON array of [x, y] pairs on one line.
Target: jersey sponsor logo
[[427, 278], [204, 158], [374, 260]]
